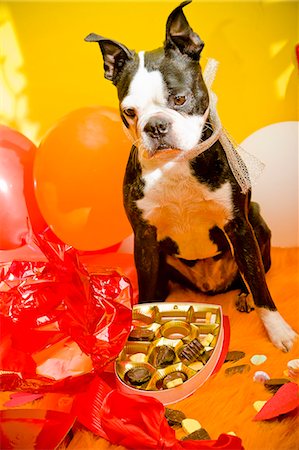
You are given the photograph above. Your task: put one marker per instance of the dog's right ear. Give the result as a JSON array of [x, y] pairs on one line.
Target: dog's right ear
[[180, 35], [115, 55]]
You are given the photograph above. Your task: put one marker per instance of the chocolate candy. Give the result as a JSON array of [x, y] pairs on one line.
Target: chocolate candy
[[137, 376], [141, 334], [174, 417], [243, 368], [171, 380], [275, 383], [190, 425], [174, 379], [191, 352], [198, 435], [234, 356], [162, 356]]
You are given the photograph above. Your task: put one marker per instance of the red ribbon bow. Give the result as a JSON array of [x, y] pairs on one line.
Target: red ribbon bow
[[136, 421]]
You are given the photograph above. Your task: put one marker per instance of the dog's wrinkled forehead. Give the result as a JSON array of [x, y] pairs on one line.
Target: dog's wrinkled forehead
[[156, 76]]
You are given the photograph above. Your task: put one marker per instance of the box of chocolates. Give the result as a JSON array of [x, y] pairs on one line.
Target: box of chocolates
[[171, 351]]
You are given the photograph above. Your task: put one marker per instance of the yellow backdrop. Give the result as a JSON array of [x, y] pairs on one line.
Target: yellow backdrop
[[47, 70]]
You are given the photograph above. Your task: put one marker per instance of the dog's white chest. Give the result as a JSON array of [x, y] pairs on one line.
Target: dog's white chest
[[183, 209]]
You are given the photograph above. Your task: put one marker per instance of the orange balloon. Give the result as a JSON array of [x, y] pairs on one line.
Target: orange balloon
[[78, 173]]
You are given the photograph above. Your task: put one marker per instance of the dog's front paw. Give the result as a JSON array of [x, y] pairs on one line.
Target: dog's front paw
[[244, 302], [279, 331]]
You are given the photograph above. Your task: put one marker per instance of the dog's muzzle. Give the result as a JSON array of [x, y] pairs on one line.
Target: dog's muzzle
[[157, 127], [157, 131]]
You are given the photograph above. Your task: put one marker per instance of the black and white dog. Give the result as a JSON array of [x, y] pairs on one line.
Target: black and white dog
[[191, 221]]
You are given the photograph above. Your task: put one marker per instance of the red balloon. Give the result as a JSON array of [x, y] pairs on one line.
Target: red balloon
[[19, 211], [16, 154]]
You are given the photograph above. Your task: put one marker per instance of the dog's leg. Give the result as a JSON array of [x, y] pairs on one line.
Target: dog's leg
[[248, 257], [262, 233], [244, 302], [150, 266]]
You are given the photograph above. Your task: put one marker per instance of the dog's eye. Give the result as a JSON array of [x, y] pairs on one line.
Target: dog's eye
[[130, 112], [179, 100]]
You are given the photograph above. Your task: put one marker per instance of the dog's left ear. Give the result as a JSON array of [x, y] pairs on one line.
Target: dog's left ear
[[180, 35], [114, 53]]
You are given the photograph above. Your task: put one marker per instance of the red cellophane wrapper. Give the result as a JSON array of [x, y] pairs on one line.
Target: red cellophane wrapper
[[60, 325], [58, 322]]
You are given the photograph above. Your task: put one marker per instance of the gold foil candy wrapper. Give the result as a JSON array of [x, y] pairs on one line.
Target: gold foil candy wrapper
[[132, 348], [177, 329], [144, 317], [160, 374], [124, 366]]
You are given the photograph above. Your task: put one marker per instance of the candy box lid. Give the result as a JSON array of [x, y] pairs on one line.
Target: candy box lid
[[173, 347]]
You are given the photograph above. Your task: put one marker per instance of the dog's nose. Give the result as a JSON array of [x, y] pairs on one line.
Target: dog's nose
[[157, 127]]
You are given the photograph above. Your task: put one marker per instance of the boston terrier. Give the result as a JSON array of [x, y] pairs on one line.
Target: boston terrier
[[192, 222]]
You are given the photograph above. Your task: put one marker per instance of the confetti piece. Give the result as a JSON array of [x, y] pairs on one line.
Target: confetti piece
[[198, 435], [258, 359], [285, 400], [21, 398], [234, 356], [260, 376], [275, 383], [243, 368], [258, 405], [190, 425]]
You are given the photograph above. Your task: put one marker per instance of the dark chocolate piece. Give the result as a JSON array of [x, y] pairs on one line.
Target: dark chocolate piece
[[243, 368], [275, 383], [198, 435], [174, 376], [206, 356], [141, 334], [192, 351], [137, 376], [234, 356], [162, 356], [174, 417]]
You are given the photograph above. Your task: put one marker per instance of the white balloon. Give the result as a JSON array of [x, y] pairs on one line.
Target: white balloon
[[277, 188]]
